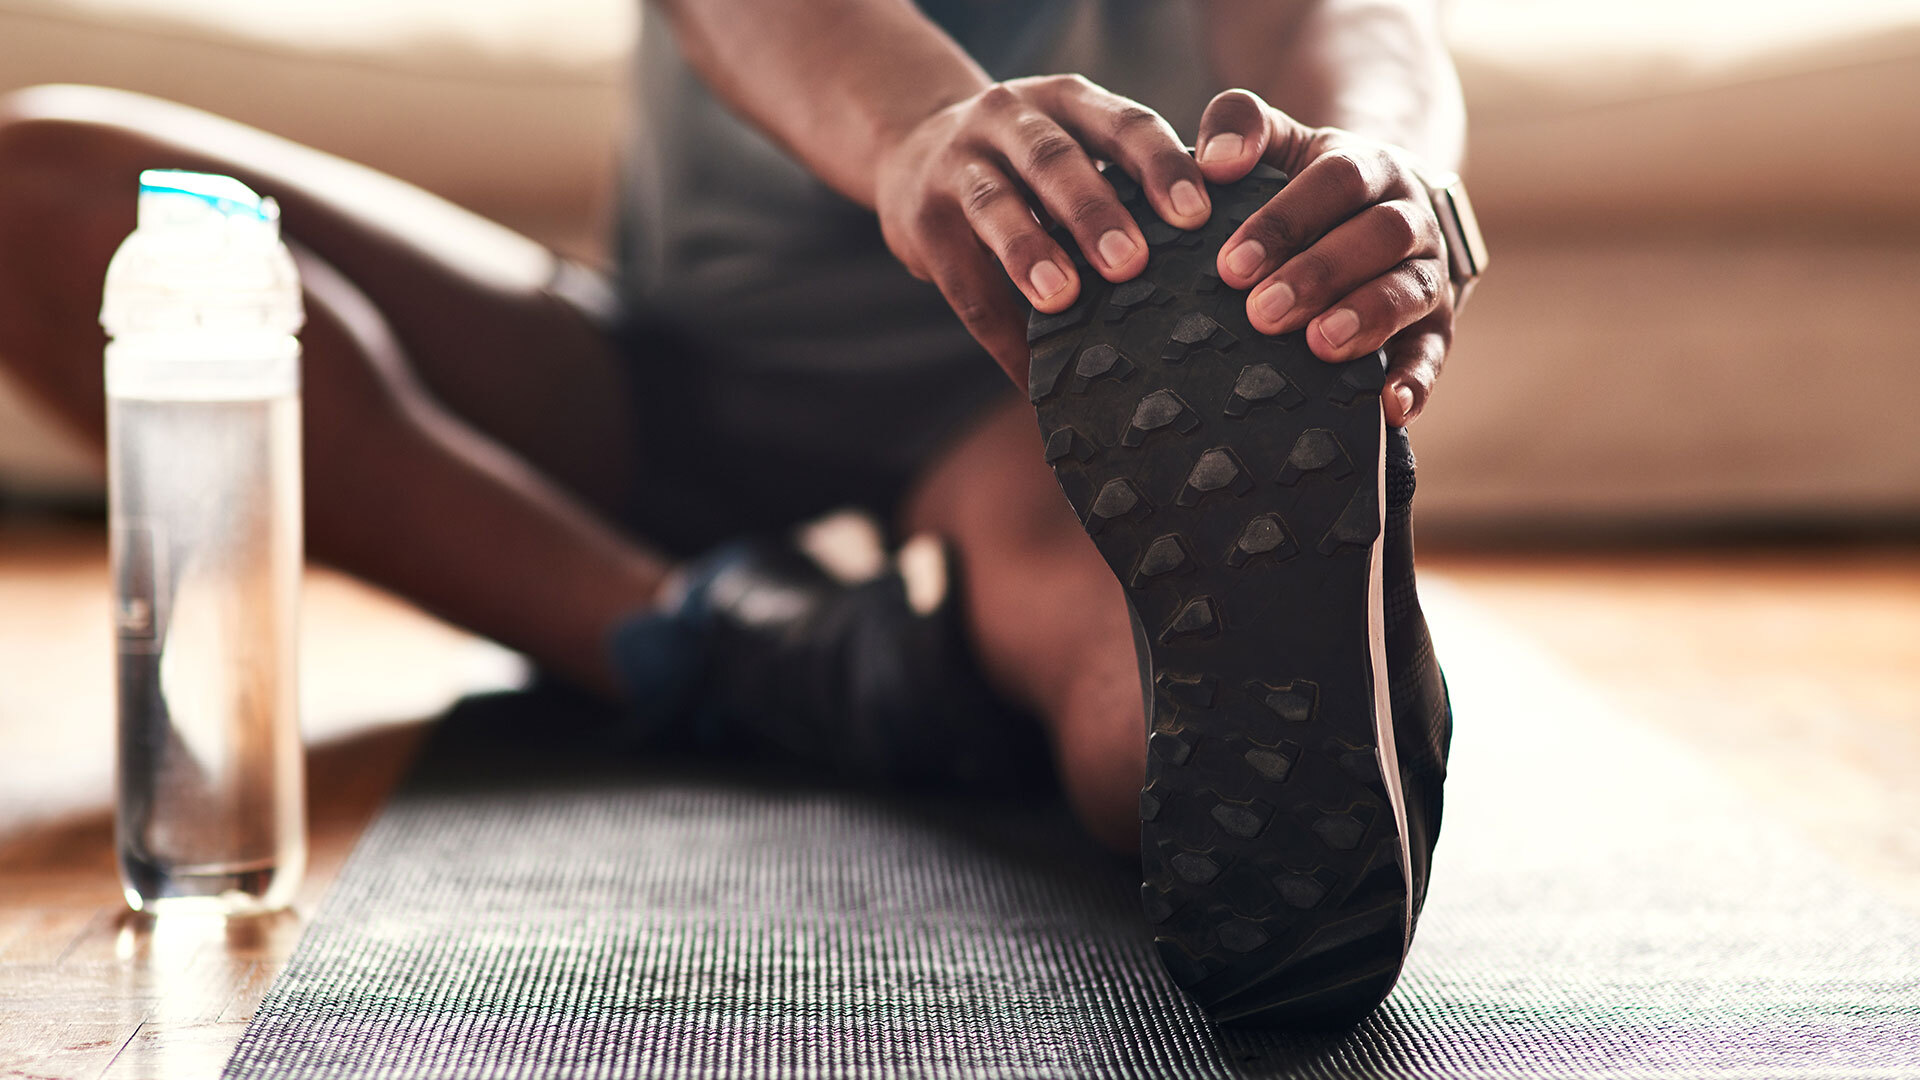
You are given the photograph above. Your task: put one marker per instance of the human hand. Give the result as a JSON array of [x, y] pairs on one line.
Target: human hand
[[957, 197], [1350, 249]]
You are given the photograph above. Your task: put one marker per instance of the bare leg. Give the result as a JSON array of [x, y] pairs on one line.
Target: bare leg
[[463, 426], [1048, 618]]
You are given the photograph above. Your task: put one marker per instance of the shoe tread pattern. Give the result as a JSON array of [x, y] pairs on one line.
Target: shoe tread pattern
[[1229, 479]]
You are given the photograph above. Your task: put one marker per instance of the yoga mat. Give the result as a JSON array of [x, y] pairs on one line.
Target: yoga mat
[[1604, 904]]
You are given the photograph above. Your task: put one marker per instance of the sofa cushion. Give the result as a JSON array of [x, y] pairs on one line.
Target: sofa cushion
[[507, 106], [1632, 113], [1663, 115]]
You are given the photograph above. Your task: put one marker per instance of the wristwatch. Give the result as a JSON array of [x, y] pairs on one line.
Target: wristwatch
[[1466, 249]]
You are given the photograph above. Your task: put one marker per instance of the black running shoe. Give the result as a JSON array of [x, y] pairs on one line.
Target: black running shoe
[[1236, 485], [766, 654]]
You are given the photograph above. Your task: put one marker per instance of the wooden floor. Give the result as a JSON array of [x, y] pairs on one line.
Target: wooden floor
[[1799, 670]]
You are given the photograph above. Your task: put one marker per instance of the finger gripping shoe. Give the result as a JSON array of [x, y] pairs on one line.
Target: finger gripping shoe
[[1235, 485]]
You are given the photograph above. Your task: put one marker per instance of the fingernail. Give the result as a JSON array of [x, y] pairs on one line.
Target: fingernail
[[1404, 396], [1246, 259], [1187, 199], [1222, 148], [1047, 278], [1274, 302], [1338, 327], [1116, 248]]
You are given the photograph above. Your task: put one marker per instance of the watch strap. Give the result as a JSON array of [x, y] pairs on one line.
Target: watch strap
[[1466, 248]]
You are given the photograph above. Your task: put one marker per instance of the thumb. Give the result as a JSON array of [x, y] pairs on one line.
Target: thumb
[[1238, 131]]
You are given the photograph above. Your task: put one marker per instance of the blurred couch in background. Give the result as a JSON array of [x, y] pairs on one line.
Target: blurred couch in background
[[1705, 219]]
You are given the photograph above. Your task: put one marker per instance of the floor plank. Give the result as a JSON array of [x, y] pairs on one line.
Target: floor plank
[[54, 1038], [166, 1052]]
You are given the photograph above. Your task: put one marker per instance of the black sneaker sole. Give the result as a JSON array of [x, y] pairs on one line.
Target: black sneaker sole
[[1233, 482]]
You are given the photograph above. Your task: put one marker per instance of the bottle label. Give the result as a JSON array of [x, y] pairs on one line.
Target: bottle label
[[140, 584]]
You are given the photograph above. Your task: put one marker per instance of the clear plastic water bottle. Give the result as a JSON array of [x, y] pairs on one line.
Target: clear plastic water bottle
[[203, 456]]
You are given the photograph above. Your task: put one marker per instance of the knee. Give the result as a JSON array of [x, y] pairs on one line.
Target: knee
[[73, 117], [66, 189], [50, 134]]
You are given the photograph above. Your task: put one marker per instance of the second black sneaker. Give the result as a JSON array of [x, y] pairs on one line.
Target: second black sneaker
[[1246, 494], [764, 653]]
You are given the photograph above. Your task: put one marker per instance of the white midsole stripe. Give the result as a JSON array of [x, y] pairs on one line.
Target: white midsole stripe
[[1382, 685]]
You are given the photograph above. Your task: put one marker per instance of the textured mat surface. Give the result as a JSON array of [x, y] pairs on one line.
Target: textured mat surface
[[1603, 905]]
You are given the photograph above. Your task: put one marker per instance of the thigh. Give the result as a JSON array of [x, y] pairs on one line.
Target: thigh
[[491, 323]]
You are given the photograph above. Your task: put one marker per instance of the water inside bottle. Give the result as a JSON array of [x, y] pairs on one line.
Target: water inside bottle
[[205, 505]]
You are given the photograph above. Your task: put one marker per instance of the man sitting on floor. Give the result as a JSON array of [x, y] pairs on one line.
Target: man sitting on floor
[[823, 208]]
